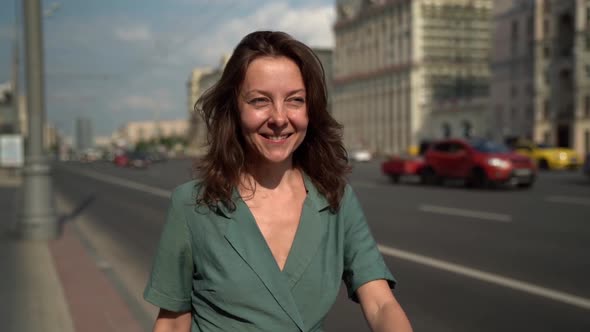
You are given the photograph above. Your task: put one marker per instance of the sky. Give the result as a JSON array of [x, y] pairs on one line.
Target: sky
[[115, 61]]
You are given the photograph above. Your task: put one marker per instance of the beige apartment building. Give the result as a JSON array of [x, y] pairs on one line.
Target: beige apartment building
[[200, 82], [193, 93], [541, 71], [411, 70], [137, 131]]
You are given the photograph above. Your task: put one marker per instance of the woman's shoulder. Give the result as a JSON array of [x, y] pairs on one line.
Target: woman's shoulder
[[187, 191]]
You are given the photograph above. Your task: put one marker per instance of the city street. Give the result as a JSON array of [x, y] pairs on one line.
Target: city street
[[465, 260]]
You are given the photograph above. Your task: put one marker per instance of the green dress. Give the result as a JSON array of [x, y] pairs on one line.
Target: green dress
[[216, 263]]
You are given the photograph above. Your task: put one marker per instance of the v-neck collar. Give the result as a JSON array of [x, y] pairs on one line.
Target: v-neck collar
[[245, 237]]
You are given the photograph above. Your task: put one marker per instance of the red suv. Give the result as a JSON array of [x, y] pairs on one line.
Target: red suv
[[480, 162]]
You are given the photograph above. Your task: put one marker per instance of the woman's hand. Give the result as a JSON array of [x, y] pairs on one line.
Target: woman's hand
[[381, 309], [169, 321]]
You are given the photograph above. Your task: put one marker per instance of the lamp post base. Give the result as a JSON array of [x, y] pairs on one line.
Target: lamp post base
[[37, 219]]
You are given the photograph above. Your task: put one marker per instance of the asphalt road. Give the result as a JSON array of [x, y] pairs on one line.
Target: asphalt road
[[465, 260]]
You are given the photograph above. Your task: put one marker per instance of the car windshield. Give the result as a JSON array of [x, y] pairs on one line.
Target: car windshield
[[544, 146], [489, 146]]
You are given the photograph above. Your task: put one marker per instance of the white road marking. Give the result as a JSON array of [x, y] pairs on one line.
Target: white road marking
[[522, 286], [466, 213], [122, 182], [492, 278], [568, 200]]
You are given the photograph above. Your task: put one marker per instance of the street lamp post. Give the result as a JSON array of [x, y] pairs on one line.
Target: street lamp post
[[37, 218], [15, 73]]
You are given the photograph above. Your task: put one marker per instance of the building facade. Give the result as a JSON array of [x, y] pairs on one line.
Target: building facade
[[325, 55], [410, 70], [198, 131], [541, 71], [141, 131], [194, 90]]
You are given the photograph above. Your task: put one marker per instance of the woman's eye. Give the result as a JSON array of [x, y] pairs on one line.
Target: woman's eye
[[297, 101], [258, 102]]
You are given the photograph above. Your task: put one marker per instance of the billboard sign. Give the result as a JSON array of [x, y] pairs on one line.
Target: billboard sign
[[11, 151]]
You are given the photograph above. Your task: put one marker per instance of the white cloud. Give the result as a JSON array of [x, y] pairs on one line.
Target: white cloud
[[312, 25], [134, 33]]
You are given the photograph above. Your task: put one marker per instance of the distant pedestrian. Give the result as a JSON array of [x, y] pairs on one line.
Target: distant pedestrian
[[263, 239]]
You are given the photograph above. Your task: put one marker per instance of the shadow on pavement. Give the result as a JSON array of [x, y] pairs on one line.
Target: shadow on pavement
[[85, 203]]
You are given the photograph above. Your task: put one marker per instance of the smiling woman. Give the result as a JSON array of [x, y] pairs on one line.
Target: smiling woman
[[262, 241], [273, 111]]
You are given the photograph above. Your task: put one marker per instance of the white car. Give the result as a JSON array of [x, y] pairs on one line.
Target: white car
[[361, 155]]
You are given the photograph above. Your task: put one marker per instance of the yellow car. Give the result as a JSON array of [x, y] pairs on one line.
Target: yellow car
[[549, 157]]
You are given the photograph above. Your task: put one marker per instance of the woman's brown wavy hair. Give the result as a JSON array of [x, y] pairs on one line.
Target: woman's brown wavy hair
[[321, 155]]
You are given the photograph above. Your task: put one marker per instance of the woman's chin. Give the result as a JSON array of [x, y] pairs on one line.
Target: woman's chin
[[276, 159]]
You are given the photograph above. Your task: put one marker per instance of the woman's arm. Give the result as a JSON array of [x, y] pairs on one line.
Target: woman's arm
[[169, 321], [381, 309]]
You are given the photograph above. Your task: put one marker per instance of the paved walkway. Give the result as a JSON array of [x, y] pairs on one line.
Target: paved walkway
[[53, 286]]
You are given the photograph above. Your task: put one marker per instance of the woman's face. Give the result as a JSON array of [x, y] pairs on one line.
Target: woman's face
[[273, 109]]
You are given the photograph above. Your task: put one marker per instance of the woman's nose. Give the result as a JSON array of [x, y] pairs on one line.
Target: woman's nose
[[278, 115]]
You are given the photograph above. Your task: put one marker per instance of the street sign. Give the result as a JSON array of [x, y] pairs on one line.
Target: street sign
[[11, 151]]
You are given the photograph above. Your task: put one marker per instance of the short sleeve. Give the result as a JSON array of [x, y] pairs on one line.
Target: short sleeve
[[362, 260], [170, 283]]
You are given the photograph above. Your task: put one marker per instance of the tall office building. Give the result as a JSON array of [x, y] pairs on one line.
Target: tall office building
[[541, 71], [407, 70], [84, 134]]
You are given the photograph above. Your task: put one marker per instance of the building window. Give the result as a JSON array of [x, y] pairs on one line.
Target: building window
[[467, 129], [529, 27], [514, 91], [545, 28], [587, 107], [446, 130], [546, 52], [587, 141], [514, 34], [514, 37], [546, 110], [547, 137]]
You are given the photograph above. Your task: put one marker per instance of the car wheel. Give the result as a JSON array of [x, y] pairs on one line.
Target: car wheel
[[394, 178], [478, 179], [526, 185], [429, 177], [543, 164]]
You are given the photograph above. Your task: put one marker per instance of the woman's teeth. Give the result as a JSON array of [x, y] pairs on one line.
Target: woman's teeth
[[276, 138]]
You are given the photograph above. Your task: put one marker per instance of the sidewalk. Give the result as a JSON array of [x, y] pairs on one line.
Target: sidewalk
[[53, 286]]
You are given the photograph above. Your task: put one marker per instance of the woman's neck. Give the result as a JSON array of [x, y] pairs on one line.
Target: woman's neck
[[270, 177]]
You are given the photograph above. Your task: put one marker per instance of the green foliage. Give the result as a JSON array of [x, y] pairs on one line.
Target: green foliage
[[167, 142]]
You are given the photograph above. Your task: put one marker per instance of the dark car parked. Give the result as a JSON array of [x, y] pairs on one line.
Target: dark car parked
[[139, 160]]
